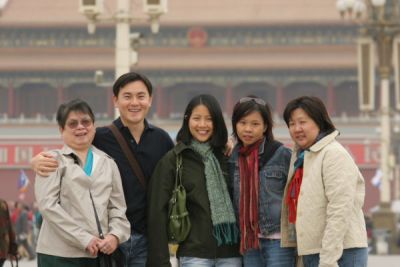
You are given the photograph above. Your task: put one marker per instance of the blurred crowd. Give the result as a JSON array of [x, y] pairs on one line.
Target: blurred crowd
[[26, 222]]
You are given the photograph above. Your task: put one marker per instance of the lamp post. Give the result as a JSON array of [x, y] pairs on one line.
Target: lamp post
[[3, 4], [381, 23], [125, 42]]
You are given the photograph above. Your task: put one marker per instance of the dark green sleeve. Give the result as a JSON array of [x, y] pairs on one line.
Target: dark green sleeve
[[159, 192]]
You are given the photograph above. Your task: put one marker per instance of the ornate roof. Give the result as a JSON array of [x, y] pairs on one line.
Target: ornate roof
[[180, 12]]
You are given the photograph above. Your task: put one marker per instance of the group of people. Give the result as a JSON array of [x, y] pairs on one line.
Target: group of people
[[19, 228], [8, 242], [263, 205]]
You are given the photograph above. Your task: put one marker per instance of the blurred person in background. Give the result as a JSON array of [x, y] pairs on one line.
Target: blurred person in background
[[23, 230], [322, 209], [8, 246], [17, 208], [36, 223], [86, 182], [258, 171]]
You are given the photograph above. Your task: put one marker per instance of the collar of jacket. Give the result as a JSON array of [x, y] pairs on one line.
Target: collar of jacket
[[66, 150], [321, 143], [120, 125], [267, 147], [179, 147], [69, 152], [260, 148]]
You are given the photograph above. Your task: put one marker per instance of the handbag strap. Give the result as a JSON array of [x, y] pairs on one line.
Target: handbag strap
[[128, 154], [178, 173], [97, 218]]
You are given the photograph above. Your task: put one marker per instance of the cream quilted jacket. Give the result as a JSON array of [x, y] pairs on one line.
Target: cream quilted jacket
[[329, 211], [69, 222]]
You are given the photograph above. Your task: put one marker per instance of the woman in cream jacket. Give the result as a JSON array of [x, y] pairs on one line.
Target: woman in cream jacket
[[322, 207], [69, 235]]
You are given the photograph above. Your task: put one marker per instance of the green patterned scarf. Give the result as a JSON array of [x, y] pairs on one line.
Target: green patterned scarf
[[222, 215]]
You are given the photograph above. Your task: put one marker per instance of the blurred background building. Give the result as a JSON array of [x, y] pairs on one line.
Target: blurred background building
[[276, 49]]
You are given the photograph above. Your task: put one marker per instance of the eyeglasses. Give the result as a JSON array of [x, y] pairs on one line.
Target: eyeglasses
[[255, 99], [73, 124]]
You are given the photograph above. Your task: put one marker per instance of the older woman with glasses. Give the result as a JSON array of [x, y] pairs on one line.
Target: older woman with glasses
[[86, 182], [322, 211], [258, 168]]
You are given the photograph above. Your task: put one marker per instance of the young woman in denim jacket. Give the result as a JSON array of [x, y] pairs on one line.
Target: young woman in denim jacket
[[258, 169]]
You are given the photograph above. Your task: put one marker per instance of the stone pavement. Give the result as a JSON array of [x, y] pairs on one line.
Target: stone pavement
[[373, 261]]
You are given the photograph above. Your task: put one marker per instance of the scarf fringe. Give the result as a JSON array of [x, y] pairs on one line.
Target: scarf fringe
[[226, 234], [250, 240]]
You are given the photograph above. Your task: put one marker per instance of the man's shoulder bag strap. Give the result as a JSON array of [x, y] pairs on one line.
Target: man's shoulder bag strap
[[128, 154]]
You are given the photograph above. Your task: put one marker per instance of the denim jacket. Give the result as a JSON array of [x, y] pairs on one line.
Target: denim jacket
[[273, 171]]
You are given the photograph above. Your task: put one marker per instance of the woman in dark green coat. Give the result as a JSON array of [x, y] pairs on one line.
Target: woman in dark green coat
[[213, 238]]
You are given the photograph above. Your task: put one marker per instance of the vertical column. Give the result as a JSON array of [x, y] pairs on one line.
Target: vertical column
[[170, 105], [60, 94], [11, 101], [385, 197], [110, 103], [122, 44], [331, 99], [160, 110], [60, 99], [279, 99], [228, 100], [396, 178], [17, 101]]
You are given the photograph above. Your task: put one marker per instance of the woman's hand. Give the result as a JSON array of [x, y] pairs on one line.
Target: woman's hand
[[43, 164], [229, 146], [92, 248], [108, 244]]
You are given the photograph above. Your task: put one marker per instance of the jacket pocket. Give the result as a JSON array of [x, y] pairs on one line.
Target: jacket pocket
[[273, 178]]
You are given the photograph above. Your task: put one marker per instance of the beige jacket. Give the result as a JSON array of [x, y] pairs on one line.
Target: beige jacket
[[68, 217], [329, 211]]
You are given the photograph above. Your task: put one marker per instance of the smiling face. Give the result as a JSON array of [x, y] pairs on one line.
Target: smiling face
[[78, 131], [133, 102], [303, 130], [250, 128], [201, 124]]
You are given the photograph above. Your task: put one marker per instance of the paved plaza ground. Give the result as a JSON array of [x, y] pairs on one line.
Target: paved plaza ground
[[373, 261]]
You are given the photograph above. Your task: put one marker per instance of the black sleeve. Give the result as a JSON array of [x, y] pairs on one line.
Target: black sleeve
[[159, 192]]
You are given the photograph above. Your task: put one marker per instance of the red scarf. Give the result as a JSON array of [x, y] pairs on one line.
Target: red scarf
[[249, 188], [292, 196]]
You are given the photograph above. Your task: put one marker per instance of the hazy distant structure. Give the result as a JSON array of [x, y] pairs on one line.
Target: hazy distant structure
[[275, 49]]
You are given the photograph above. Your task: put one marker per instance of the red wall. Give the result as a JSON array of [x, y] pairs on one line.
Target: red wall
[[9, 185]]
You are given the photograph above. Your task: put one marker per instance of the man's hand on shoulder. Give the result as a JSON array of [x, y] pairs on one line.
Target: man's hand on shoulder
[[44, 163]]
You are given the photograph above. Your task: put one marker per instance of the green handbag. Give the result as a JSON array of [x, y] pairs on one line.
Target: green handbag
[[178, 221]]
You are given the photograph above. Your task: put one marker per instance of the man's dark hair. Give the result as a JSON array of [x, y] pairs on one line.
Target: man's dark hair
[[129, 78]]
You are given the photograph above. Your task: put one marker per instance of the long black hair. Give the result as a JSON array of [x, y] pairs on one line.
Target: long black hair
[[219, 135]]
